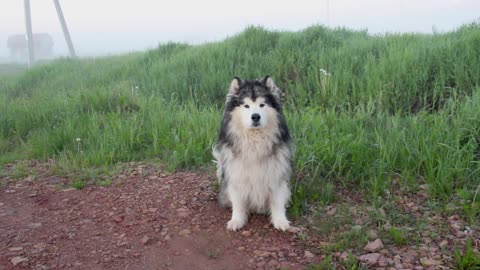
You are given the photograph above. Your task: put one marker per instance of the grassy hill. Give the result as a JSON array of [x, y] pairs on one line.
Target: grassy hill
[[389, 112], [11, 70]]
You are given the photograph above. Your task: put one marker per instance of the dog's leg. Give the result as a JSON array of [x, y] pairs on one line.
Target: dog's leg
[[278, 201], [239, 209]]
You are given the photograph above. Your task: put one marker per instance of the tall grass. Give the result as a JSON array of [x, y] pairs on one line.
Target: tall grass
[[402, 107]]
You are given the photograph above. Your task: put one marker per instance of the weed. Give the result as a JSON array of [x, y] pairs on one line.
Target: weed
[[351, 263], [469, 260], [324, 265], [399, 236], [78, 184], [470, 204], [19, 171], [212, 254], [105, 183], [298, 203], [356, 238]]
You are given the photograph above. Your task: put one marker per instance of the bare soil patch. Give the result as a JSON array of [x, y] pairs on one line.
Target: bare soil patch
[[145, 220]]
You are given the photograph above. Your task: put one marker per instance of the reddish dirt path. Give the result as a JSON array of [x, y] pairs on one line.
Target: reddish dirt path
[[140, 222]]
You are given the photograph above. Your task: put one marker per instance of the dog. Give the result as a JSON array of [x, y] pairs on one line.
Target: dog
[[253, 153]]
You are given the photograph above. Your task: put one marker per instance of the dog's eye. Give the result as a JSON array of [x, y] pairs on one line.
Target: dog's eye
[[262, 105], [246, 106]]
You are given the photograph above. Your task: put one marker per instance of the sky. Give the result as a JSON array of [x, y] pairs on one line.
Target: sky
[[100, 27]]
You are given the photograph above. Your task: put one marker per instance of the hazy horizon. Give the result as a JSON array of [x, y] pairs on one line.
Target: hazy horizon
[[112, 27]]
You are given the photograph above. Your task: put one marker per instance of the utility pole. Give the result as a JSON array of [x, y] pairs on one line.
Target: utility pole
[[64, 28], [29, 34]]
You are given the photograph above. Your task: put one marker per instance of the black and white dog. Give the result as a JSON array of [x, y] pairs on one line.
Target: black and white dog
[[253, 153]]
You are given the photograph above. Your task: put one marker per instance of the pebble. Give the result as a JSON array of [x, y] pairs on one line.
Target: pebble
[[383, 261], [184, 232], [247, 233], [34, 225], [330, 210], [261, 264], [308, 254], [182, 212], [272, 263], [293, 229], [384, 251], [427, 262], [261, 253], [344, 256], [370, 258], [18, 259], [374, 246], [443, 244], [145, 240], [40, 246], [117, 219], [372, 234]]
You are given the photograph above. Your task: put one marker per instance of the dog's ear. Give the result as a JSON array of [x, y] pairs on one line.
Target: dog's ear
[[270, 85], [268, 82], [235, 86]]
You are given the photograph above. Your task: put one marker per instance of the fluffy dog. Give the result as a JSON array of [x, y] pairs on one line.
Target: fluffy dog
[[253, 153]]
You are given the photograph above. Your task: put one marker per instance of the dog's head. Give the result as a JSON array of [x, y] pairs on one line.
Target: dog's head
[[254, 104]]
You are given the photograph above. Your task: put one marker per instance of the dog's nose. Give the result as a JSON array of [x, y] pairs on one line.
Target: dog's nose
[[255, 117]]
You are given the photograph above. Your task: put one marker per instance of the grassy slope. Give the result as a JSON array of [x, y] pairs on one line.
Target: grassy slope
[[403, 107]]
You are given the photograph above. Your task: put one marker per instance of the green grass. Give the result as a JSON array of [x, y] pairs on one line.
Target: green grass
[[399, 236], [11, 70], [470, 203], [19, 171], [355, 238], [78, 184], [399, 105], [467, 260], [350, 264]]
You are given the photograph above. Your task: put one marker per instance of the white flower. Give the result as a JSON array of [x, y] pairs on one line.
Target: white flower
[[78, 140], [324, 72], [136, 87]]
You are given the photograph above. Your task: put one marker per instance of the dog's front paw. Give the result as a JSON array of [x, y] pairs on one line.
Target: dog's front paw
[[281, 224], [235, 224]]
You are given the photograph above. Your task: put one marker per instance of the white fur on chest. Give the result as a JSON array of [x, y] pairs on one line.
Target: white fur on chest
[[258, 170]]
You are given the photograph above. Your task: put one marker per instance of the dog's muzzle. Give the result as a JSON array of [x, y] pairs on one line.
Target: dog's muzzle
[[256, 119]]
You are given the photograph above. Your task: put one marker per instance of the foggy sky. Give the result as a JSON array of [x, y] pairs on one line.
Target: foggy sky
[[117, 26]]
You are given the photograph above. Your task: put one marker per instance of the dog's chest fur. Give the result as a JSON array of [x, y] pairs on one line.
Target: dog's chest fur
[[257, 167]]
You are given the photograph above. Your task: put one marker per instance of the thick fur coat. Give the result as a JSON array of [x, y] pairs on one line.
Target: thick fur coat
[[253, 153]]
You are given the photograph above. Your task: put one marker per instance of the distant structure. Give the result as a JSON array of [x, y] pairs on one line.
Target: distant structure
[[42, 47], [30, 37]]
